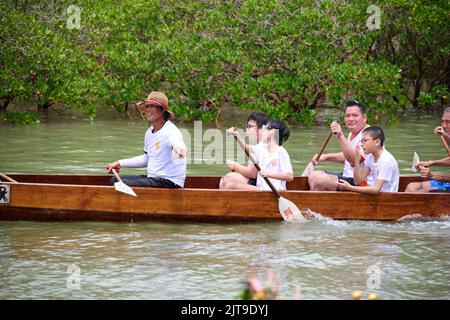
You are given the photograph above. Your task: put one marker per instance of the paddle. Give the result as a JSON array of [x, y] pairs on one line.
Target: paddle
[[311, 167], [445, 144], [4, 176], [415, 161], [122, 187], [288, 210]]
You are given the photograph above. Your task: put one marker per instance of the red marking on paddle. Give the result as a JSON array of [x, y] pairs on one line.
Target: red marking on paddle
[[288, 212]]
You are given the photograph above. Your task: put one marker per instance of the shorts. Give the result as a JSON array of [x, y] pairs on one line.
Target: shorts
[[341, 177], [252, 182], [144, 181], [440, 185]]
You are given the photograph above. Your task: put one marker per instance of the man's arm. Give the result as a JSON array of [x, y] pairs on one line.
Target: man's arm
[[426, 173], [358, 174], [248, 172], [440, 131], [347, 150], [178, 146], [136, 162], [442, 162], [375, 189], [440, 177], [285, 176], [332, 157]]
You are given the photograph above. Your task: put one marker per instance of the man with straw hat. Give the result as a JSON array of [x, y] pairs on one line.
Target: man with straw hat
[[164, 148]]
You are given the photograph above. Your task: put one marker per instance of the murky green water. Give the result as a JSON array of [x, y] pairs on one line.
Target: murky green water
[[326, 258]]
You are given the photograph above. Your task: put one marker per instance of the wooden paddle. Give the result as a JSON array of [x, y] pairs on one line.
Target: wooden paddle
[[288, 210], [122, 187], [4, 176], [311, 167], [445, 144]]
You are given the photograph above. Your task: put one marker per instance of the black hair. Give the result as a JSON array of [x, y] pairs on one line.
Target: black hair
[[352, 103], [376, 133], [283, 130], [166, 115], [447, 110], [259, 117]]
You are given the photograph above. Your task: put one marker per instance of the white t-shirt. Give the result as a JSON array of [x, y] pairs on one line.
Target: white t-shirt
[[256, 148], [158, 155], [277, 162], [386, 168], [348, 168]]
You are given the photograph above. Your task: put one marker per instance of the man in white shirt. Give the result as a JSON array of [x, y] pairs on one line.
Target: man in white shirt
[[437, 182], [240, 173], [356, 121], [164, 148], [379, 161]]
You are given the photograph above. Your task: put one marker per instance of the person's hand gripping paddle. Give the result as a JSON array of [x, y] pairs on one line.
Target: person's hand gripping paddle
[[288, 209]]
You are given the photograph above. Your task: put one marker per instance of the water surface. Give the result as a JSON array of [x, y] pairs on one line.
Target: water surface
[[327, 259]]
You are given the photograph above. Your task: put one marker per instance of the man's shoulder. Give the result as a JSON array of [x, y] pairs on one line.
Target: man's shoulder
[[283, 151], [389, 157], [170, 128]]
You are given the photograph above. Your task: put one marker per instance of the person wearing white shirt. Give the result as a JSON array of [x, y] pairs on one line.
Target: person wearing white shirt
[[164, 148], [436, 182], [273, 159], [356, 121], [380, 162], [240, 173]]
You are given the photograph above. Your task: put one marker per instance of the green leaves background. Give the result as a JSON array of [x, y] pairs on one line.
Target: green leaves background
[[286, 58]]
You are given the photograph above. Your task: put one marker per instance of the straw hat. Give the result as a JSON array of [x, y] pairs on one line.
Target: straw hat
[[156, 98]]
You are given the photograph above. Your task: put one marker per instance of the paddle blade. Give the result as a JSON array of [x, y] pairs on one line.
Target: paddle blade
[[309, 168], [415, 161], [122, 187], [289, 211]]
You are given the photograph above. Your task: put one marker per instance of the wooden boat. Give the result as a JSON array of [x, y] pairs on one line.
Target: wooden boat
[[53, 197]]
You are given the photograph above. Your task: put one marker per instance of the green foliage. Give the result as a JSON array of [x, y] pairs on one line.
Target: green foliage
[[283, 57], [20, 117], [434, 96], [415, 38]]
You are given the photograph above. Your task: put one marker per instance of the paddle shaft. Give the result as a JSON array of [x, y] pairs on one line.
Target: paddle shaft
[[445, 144], [4, 176], [242, 143], [324, 146], [116, 175]]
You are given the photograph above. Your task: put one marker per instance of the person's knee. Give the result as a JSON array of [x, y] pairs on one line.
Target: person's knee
[[227, 177], [315, 179], [229, 185], [232, 177], [413, 187]]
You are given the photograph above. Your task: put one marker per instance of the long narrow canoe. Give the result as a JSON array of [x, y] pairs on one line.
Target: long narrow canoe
[[53, 197]]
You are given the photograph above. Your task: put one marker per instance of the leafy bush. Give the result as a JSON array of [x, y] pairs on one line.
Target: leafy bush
[[286, 58], [20, 117]]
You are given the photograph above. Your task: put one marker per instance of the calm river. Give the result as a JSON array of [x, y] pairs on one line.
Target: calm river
[[327, 259]]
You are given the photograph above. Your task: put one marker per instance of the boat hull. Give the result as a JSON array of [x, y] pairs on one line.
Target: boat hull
[[88, 198]]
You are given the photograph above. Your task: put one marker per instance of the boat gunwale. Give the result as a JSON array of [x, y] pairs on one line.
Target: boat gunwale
[[291, 191], [98, 176]]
